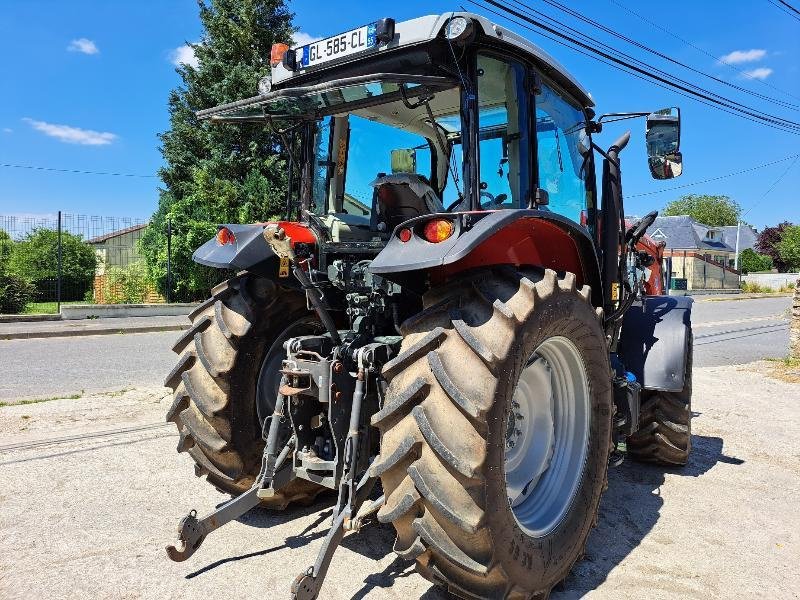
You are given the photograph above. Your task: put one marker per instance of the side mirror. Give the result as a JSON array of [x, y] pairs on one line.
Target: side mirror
[[663, 136], [404, 160]]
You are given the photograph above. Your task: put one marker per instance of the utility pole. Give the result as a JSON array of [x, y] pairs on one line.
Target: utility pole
[[736, 258], [169, 260], [58, 282]]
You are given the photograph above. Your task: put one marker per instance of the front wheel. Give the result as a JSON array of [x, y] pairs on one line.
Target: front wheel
[[496, 433]]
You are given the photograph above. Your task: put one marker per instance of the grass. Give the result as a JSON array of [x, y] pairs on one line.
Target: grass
[[786, 369], [47, 308], [38, 400], [755, 288]]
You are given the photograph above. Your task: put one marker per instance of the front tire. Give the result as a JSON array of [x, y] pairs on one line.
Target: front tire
[[665, 423], [445, 423]]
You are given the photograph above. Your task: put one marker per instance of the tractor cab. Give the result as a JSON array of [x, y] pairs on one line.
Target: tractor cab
[[451, 114]]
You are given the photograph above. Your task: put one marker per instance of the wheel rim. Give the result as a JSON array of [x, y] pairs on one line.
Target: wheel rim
[[547, 436], [269, 376]]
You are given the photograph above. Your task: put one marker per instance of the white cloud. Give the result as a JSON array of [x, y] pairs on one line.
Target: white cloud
[[72, 135], [301, 38], [83, 45], [743, 56], [184, 56], [8, 130], [759, 73]]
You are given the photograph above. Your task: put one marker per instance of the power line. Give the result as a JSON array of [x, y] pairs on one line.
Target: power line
[[699, 49], [783, 9], [80, 172], [772, 187], [616, 66], [646, 71], [790, 7], [640, 45], [685, 185]]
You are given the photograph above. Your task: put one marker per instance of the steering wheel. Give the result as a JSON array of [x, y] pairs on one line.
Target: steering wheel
[[492, 200]]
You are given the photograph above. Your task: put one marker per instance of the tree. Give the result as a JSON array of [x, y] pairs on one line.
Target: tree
[[789, 247], [217, 173], [35, 258], [767, 243], [752, 262], [714, 211]]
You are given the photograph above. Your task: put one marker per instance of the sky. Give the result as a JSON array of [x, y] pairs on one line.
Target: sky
[[85, 87]]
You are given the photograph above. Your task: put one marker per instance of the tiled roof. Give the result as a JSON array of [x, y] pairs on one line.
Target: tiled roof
[[684, 233], [103, 238]]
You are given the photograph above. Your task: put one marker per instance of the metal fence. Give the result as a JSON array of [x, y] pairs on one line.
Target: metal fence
[[62, 270]]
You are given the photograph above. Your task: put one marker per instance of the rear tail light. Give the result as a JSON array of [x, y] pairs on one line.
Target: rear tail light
[[276, 54], [404, 234], [225, 236], [438, 230]]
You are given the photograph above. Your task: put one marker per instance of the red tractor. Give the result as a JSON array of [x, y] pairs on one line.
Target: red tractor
[[448, 329]]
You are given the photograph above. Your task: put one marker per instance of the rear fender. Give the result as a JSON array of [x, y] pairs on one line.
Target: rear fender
[[656, 333], [250, 251], [504, 237]]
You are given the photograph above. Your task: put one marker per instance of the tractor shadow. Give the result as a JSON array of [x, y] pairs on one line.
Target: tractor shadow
[[629, 510], [264, 518]]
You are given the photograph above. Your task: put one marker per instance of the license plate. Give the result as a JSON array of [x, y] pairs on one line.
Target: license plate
[[337, 46]]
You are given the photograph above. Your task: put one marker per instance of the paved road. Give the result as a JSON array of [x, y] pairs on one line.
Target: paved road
[[42, 368], [726, 332], [735, 332]]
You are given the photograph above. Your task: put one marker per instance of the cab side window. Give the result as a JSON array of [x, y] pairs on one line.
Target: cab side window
[[504, 141], [563, 153]]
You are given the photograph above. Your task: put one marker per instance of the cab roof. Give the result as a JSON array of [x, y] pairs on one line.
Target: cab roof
[[424, 29]]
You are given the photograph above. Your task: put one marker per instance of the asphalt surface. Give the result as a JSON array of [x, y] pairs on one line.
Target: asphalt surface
[[43, 368], [734, 332], [727, 332]]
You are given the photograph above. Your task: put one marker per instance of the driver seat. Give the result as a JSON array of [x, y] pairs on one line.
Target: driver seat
[[402, 196]]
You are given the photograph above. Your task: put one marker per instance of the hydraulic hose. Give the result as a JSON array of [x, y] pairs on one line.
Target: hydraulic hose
[[315, 298]]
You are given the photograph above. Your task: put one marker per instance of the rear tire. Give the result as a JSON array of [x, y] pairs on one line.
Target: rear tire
[[218, 404], [444, 428], [665, 424]]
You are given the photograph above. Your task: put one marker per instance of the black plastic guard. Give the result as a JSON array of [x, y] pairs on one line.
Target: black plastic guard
[[250, 251], [656, 333]]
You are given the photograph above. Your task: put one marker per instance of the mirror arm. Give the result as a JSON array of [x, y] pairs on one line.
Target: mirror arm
[[621, 116]]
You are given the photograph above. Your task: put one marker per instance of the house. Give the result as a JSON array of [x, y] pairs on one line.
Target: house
[[118, 248], [699, 254]]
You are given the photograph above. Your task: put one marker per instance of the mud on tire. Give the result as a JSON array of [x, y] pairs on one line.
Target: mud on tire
[[443, 427], [215, 383], [665, 424]]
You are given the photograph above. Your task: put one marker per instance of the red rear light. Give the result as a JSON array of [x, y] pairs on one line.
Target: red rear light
[[276, 54], [225, 236], [438, 230], [404, 234]]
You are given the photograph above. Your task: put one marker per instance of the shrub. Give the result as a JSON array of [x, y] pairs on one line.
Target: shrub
[[127, 285], [751, 261], [35, 258], [15, 293]]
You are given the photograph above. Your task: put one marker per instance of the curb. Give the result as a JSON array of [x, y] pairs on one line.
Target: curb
[[747, 297], [29, 318], [25, 335]]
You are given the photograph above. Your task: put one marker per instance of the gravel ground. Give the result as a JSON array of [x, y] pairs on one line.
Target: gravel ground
[[89, 516]]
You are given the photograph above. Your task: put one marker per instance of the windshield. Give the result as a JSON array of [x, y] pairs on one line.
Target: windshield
[[382, 164]]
